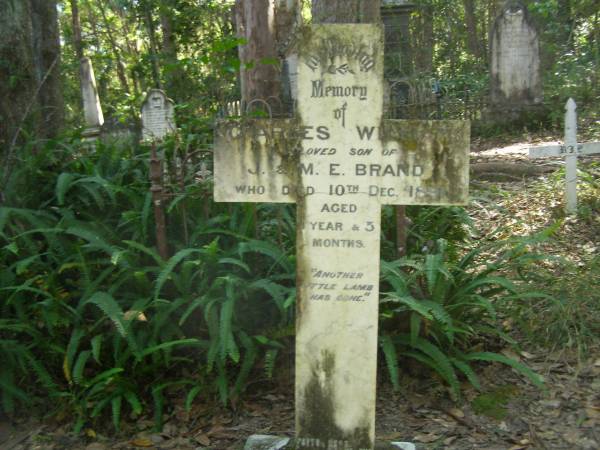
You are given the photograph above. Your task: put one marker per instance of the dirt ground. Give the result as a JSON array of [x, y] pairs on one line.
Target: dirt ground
[[511, 414]]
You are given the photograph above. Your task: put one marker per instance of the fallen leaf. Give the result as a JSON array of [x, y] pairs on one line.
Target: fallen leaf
[[95, 446], [427, 438], [392, 436], [90, 433], [142, 442], [592, 412], [450, 440], [455, 412], [202, 439]]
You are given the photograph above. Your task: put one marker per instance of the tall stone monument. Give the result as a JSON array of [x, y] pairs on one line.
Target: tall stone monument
[[515, 78], [340, 162], [158, 116], [92, 109]]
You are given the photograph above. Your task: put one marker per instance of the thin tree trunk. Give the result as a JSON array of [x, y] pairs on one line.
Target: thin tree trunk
[[121, 71], [174, 76], [258, 80], [77, 42], [471, 24], [153, 46]]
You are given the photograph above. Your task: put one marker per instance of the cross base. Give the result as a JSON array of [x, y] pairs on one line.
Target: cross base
[[263, 442]]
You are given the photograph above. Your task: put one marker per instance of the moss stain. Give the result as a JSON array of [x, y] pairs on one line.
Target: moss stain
[[494, 404], [318, 418]]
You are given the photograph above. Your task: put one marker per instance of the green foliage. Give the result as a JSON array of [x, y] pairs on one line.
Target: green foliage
[[100, 320], [449, 306], [493, 404]]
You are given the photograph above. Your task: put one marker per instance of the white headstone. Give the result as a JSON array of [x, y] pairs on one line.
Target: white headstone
[[339, 161], [92, 110], [515, 59], [158, 116]]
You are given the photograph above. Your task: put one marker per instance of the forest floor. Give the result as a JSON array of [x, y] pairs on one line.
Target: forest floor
[[511, 413]]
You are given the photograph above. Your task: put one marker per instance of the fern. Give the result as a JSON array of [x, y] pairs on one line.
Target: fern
[[111, 309], [191, 396], [170, 266], [80, 366], [228, 346], [391, 359], [134, 402], [72, 347], [96, 347], [116, 404], [266, 249], [250, 354], [519, 367]]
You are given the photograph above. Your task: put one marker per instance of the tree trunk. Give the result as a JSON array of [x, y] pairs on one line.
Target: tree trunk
[[346, 11], [153, 45], [565, 16], [30, 85], [121, 71], [175, 79], [259, 75], [76, 22], [471, 23]]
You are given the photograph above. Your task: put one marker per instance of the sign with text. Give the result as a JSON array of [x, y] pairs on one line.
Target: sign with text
[[339, 161]]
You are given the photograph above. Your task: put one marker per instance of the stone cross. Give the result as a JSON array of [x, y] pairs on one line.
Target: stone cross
[[158, 116], [340, 162], [515, 60], [570, 150], [92, 109]]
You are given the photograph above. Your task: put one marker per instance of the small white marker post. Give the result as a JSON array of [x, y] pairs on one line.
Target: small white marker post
[[570, 149]]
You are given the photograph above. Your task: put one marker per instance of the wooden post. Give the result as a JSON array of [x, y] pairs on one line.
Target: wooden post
[[157, 201]]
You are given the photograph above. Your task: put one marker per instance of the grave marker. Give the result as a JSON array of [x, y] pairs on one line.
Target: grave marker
[[339, 161], [92, 109], [515, 76], [570, 150], [158, 116]]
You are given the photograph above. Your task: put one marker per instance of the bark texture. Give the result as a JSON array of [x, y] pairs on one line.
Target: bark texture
[[473, 43], [259, 75], [30, 94]]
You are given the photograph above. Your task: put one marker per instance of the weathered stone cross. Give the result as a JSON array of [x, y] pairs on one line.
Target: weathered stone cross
[[339, 161], [570, 150]]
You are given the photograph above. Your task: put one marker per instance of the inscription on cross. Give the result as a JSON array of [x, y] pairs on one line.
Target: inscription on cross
[[339, 161]]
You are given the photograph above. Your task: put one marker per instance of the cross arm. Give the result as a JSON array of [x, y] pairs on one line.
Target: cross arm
[[254, 161], [425, 162], [589, 148]]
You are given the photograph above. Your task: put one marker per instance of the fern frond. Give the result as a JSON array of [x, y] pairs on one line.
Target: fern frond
[[391, 359], [519, 367], [170, 266]]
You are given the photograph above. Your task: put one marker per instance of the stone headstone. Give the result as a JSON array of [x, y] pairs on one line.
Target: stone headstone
[[339, 161], [92, 109], [158, 116], [515, 77]]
